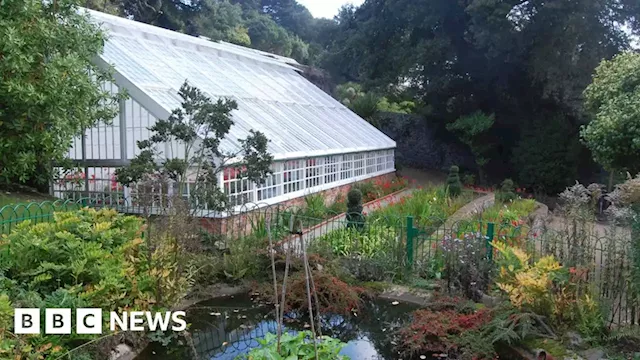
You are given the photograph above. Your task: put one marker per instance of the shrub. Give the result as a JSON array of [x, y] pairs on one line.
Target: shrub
[[435, 332], [334, 295], [454, 185], [367, 190], [354, 215], [543, 288], [314, 206], [299, 346], [469, 179], [86, 258], [507, 192]]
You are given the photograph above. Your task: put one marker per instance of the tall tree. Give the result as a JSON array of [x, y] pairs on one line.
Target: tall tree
[[613, 99], [50, 89], [514, 58], [221, 20]]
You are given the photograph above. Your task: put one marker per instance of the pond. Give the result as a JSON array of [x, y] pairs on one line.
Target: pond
[[224, 328]]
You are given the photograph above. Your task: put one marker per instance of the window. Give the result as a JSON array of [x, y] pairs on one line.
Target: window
[[331, 169], [390, 159], [380, 160], [238, 189], [346, 166], [271, 186], [371, 162], [358, 165], [292, 177], [313, 173]]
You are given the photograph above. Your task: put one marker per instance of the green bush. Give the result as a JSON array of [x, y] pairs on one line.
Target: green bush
[[453, 181], [298, 346], [84, 258], [367, 189], [314, 206], [469, 179], [354, 216], [507, 192]]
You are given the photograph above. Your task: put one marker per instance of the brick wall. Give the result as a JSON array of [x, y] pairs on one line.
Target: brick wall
[[239, 224]]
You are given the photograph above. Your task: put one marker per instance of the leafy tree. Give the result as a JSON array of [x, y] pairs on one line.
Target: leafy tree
[[512, 58], [471, 129], [369, 105], [50, 89], [266, 35], [613, 136], [199, 126], [113, 7], [221, 20], [545, 157]]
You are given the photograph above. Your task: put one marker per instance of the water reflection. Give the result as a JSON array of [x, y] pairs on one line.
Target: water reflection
[[227, 327]]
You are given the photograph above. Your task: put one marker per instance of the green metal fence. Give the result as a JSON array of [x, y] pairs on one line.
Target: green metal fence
[[402, 247], [35, 212]]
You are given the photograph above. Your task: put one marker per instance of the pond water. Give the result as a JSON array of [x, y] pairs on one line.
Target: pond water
[[224, 328]]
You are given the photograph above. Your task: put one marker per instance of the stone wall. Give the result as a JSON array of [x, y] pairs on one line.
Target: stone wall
[[241, 224], [420, 145]]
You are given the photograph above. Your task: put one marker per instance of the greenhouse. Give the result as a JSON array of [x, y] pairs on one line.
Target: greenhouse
[[317, 143]]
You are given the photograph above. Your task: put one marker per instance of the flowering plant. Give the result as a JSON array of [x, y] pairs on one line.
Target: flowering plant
[[466, 266]]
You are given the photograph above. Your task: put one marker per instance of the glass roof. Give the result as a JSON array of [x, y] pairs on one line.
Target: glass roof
[[298, 117]]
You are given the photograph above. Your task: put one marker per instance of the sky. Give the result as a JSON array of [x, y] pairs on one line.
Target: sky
[[327, 8]]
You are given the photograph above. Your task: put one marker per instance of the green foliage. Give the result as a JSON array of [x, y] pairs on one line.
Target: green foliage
[[548, 154], [507, 192], [86, 258], [314, 206], [338, 206], [367, 189], [511, 326], [221, 20], [199, 126], [590, 320], [369, 105], [516, 60], [430, 207], [299, 346], [468, 179], [454, 186], [472, 131], [355, 219], [612, 99], [372, 242], [50, 88]]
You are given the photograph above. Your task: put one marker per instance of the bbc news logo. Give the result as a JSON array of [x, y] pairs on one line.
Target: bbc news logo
[[89, 321]]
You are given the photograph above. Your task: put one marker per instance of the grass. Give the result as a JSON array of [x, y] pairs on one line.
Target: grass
[[511, 213], [428, 207], [19, 197]]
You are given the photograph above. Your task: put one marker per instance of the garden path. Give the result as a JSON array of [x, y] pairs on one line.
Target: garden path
[[470, 209]]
